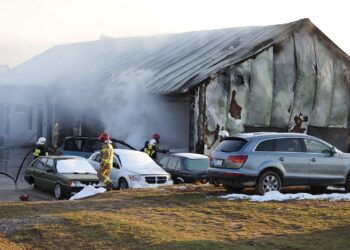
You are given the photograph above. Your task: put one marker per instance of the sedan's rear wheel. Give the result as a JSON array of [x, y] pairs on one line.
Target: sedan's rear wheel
[[59, 192], [123, 184], [268, 181]]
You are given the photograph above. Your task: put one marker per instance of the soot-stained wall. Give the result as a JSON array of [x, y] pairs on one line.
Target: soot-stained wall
[[298, 83]]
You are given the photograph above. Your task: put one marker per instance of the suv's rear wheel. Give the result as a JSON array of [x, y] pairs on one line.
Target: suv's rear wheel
[[233, 189], [347, 184], [268, 181]]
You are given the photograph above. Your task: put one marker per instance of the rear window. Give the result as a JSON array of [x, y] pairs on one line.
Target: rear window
[[74, 165], [231, 145], [198, 164]]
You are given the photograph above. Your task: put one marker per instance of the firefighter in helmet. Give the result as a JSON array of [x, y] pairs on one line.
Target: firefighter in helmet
[[152, 147], [40, 148], [106, 164]]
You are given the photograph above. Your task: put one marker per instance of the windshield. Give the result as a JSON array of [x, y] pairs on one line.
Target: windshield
[[198, 164], [71, 166]]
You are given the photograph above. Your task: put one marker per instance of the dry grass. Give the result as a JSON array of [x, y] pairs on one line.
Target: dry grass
[[172, 218]]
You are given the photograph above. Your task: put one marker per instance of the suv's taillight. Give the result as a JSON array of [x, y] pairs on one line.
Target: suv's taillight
[[238, 158]]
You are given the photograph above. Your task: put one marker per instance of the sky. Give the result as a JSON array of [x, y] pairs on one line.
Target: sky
[[28, 28]]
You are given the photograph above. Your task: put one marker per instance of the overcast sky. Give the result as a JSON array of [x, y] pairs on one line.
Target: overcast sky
[[28, 27]]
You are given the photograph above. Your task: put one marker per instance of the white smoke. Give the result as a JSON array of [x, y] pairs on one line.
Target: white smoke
[[131, 113]]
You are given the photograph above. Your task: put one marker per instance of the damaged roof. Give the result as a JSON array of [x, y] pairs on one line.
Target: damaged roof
[[168, 64]]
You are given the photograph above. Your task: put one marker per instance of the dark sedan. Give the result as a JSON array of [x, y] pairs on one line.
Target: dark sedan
[[186, 167], [61, 175]]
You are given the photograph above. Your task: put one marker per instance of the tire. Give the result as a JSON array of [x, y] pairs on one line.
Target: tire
[[233, 189], [123, 184], [318, 189], [347, 184], [179, 180], [59, 194], [268, 181]]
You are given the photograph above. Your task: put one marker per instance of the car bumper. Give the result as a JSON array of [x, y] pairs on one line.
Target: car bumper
[[232, 177], [142, 184]]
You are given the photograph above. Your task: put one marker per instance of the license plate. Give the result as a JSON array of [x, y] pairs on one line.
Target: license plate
[[217, 162]]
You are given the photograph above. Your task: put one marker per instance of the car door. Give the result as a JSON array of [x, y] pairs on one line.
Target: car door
[[49, 176], [39, 172], [290, 153], [116, 171], [171, 167], [75, 146], [94, 160], [325, 168]]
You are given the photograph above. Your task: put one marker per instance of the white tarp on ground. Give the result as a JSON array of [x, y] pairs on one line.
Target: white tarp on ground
[[87, 191], [277, 196]]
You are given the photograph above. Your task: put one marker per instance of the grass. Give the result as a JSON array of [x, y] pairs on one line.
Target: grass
[[173, 218]]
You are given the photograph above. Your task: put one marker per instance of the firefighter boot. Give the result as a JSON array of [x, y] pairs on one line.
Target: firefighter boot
[[109, 187]]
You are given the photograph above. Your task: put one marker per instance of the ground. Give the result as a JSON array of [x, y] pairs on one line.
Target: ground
[[190, 217]]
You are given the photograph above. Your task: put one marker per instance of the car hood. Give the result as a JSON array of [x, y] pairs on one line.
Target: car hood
[[81, 177], [149, 168]]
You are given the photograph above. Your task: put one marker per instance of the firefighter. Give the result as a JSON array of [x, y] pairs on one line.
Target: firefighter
[[152, 147], [40, 149], [106, 164]]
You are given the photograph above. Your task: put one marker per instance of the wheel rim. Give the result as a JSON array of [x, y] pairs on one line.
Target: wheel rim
[[270, 183], [123, 185], [57, 191]]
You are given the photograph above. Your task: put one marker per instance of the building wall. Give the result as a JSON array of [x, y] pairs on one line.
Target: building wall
[[299, 82], [23, 116]]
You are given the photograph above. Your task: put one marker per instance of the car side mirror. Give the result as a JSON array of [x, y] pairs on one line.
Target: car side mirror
[[333, 151], [115, 165]]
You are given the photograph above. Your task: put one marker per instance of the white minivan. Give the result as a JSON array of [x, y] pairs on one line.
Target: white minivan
[[133, 169]]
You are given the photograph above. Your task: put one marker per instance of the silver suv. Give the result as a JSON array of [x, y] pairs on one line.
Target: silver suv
[[269, 161]]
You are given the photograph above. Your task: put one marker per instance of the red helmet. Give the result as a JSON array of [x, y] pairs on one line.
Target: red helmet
[[156, 136], [104, 137], [24, 197]]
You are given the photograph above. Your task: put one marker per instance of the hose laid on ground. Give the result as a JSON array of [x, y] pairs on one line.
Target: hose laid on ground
[[20, 168]]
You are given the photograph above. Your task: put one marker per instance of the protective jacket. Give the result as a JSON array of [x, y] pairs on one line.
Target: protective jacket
[[151, 150], [106, 164], [107, 154], [40, 150]]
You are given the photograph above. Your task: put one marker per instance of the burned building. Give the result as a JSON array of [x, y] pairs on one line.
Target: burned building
[[288, 77]]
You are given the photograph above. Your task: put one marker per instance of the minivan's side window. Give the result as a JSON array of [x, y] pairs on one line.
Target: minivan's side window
[[265, 146], [164, 161], [172, 162], [289, 145], [313, 146]]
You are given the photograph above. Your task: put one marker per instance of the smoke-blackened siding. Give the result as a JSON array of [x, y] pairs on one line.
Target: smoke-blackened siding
[[325, 76], [261, 88], [339, 113], [305, 86], [284, 83]]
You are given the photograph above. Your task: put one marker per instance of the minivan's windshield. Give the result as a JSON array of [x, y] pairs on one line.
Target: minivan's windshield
[[231, 145], [197, 164]]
